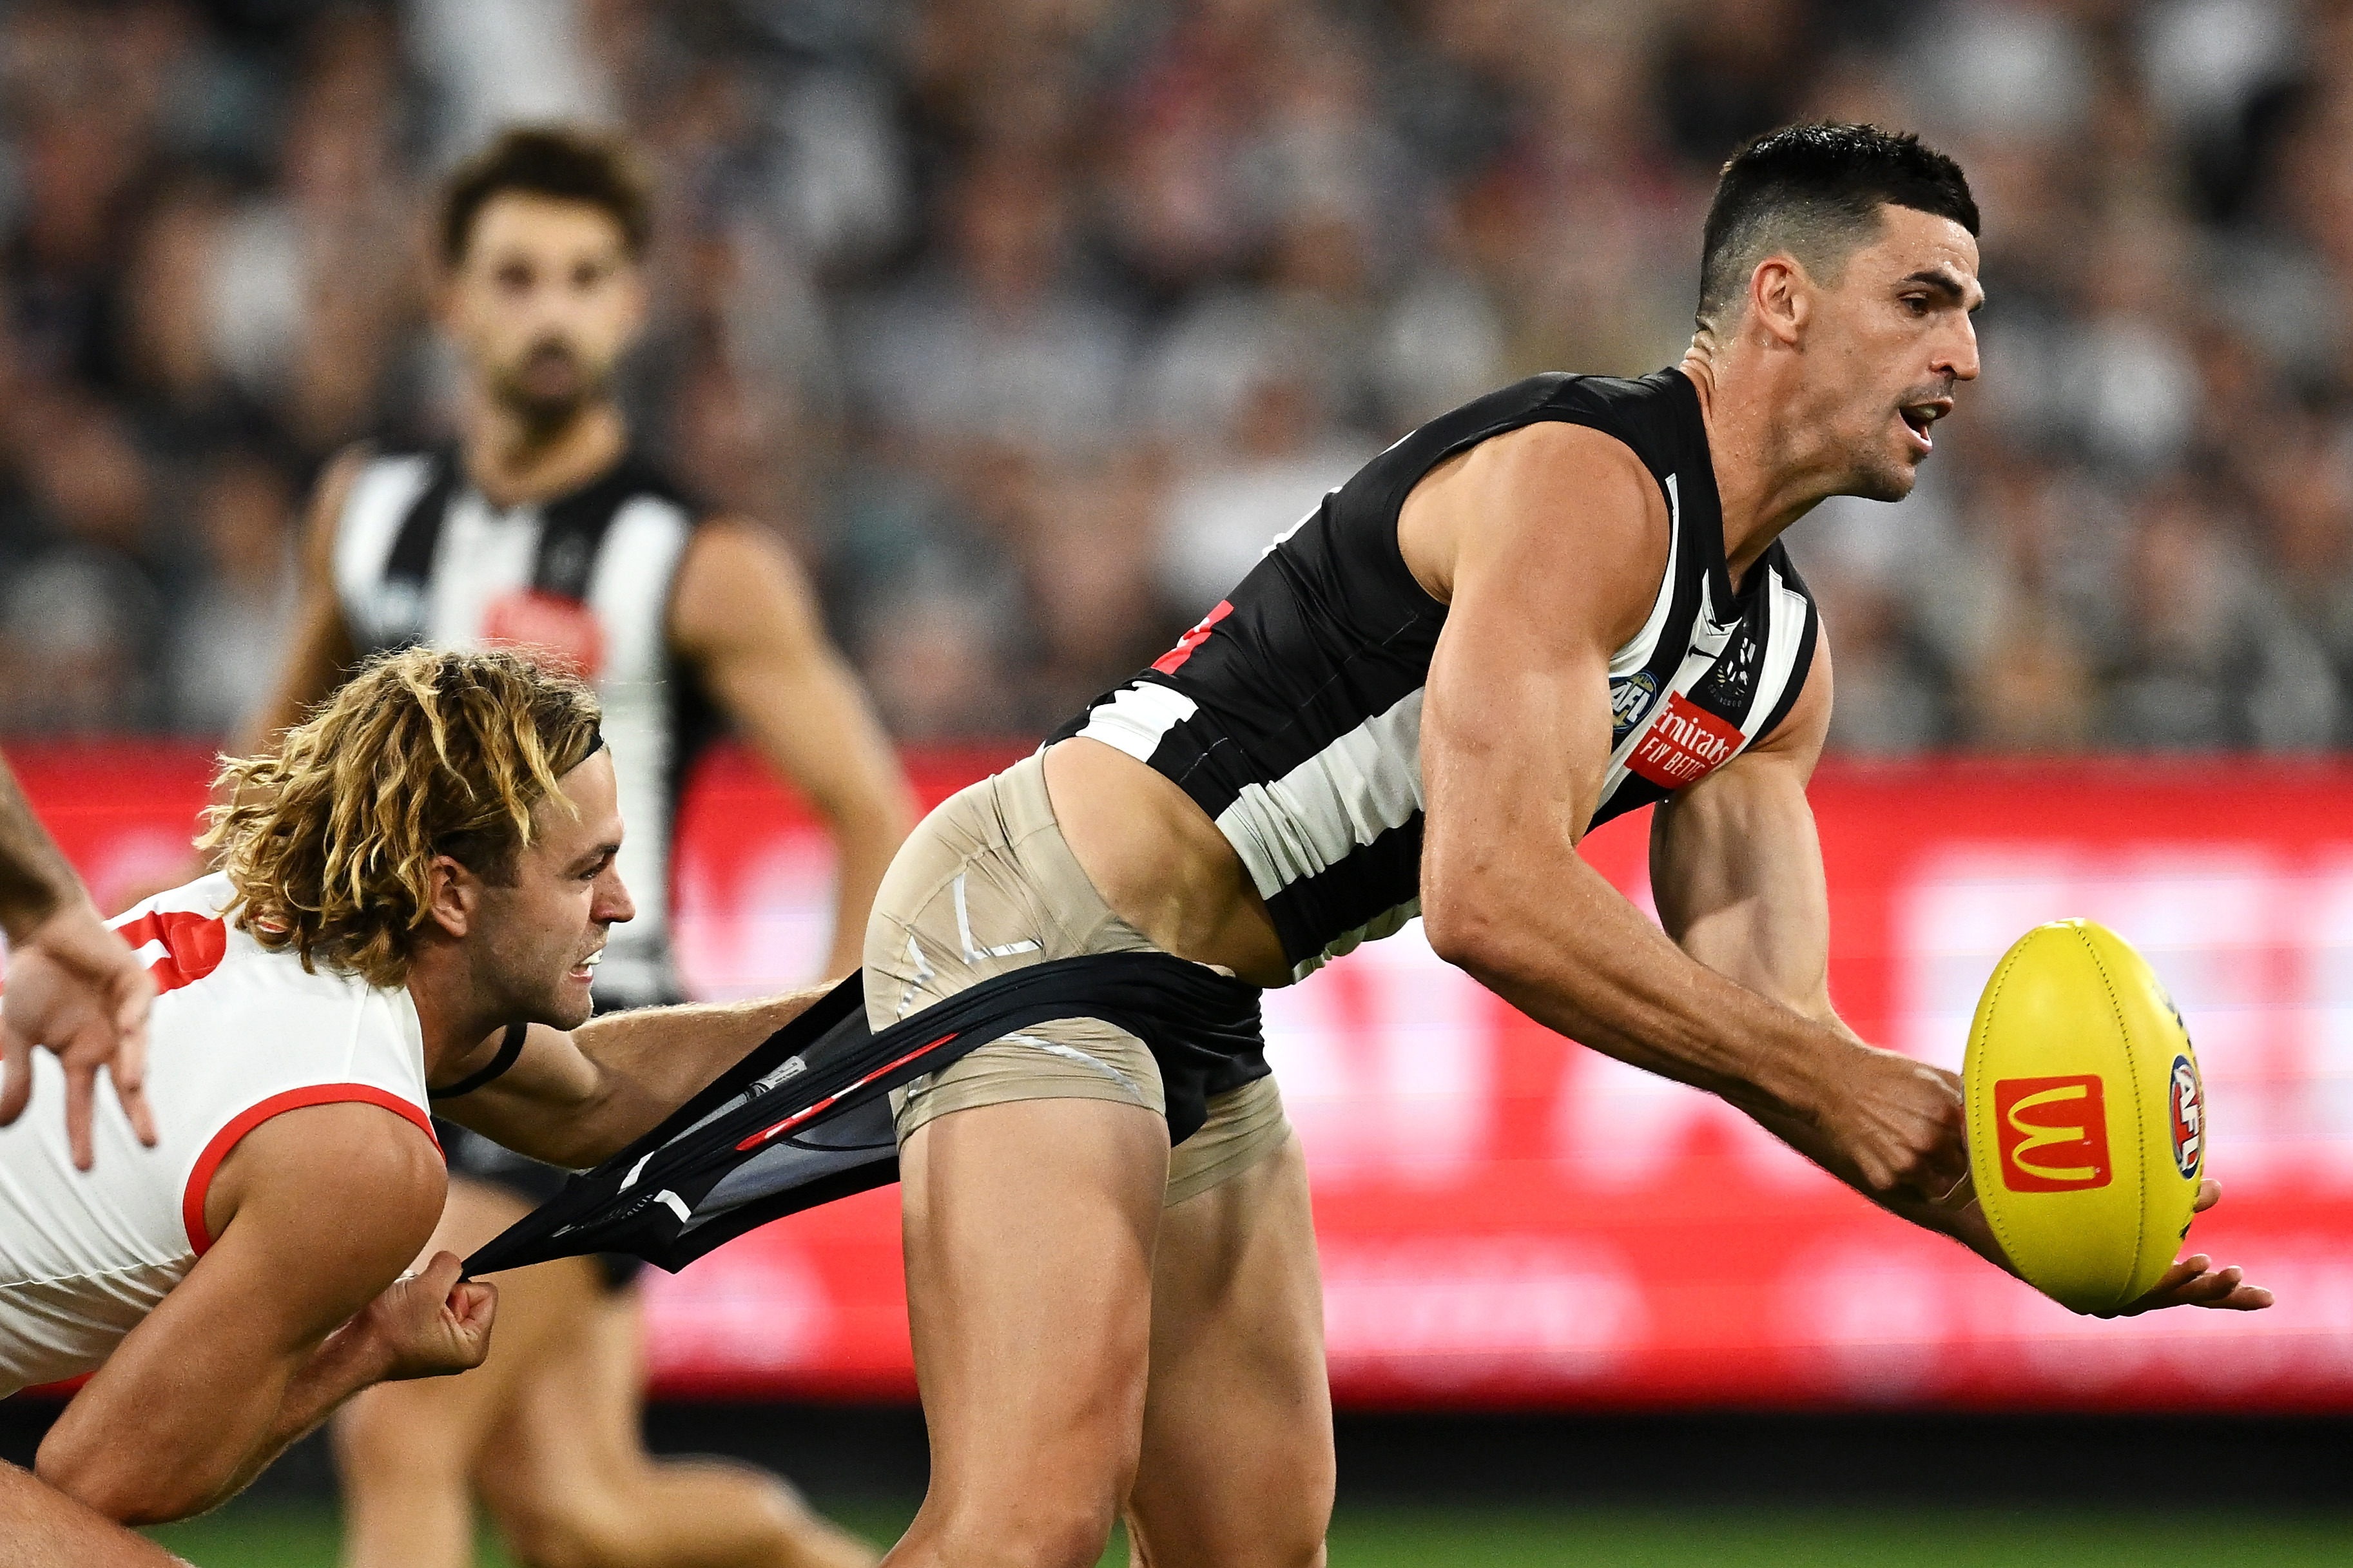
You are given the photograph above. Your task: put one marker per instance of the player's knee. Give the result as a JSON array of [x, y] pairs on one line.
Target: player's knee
[[579, 1534], [376, 1446], [1035, 1532]]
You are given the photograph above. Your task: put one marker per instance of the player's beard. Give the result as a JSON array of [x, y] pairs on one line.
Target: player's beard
[[545, 411]]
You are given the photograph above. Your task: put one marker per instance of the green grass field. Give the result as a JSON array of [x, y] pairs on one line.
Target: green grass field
[[266, 1535]]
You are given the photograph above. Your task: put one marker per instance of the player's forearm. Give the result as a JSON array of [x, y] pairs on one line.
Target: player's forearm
[[201, 1447], [866, 849], [348, 1361], [1572, 953], [648, 1062], [35, 880]]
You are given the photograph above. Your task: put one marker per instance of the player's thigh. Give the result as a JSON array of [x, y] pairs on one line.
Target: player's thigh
[[1029, 1228], [1237, 1467], [573, 1425]]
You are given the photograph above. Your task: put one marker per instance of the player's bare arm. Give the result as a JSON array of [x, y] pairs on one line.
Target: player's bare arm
[[297, 1305], [1547, 553], [71, 984], [744, 616], [318, 649], [576, 1099], [1736, 871]]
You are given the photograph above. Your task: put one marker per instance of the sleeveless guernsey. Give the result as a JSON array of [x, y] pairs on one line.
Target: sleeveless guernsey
[[422, 556], [1292, 713], [238, 1034]]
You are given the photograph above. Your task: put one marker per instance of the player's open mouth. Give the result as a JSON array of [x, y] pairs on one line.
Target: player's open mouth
[[587, 968], [1918, 416]]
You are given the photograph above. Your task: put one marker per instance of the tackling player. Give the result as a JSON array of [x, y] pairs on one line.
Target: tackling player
[[546, 526], [1563, 601], [427, 861]]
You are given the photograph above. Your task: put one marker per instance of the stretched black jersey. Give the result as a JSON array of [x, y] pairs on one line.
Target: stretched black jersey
[[1292, 713]]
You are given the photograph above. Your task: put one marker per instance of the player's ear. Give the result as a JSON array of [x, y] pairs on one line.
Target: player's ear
[[454, 896], [1780, 299]]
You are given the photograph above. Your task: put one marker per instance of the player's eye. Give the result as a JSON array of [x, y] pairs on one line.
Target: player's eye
[[1917, 304], [513, 277]]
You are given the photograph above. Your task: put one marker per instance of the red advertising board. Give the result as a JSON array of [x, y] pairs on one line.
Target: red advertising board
[[1507, 1219]]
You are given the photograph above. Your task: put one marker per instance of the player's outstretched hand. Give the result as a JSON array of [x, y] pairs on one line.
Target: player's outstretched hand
[[1899, 1123], [431, 1324], [2194, 1282], [74, 987]]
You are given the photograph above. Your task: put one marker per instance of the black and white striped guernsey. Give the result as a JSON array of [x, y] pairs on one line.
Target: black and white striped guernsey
[[1292, 713], [422, 556]]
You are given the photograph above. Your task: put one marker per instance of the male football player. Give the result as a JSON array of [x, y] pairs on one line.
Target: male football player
[[418, 873], [1560, 602]]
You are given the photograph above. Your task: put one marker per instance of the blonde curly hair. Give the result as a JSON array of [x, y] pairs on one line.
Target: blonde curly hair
[[330, 840]]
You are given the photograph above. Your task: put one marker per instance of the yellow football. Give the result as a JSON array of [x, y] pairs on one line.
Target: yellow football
[[2087, 1123]]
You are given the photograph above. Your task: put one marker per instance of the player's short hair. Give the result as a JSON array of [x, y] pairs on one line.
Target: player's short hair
[[562, 162], [1814, 193], [330, 840]]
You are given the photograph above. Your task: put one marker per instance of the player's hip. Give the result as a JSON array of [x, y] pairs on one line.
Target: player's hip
[[986, 886]]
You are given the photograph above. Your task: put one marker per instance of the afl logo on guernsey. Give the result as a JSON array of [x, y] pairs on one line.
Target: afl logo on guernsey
[[2188, 1105], [1629, 700]]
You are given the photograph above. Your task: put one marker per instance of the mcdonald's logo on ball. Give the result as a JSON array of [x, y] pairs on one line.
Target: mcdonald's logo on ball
[[2053, 1133]]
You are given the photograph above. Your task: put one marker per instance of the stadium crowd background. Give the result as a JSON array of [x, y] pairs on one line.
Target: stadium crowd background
[[1028, 321]]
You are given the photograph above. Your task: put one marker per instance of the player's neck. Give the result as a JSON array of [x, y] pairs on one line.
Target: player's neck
[[514, 463], [450, 1013], [1767, 478]]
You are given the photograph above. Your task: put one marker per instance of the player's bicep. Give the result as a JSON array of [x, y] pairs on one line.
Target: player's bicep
[[1737, 864], [747, 617], [1561, 542]]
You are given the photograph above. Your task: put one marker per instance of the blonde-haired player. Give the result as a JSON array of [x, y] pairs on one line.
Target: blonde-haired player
[[423, 867]]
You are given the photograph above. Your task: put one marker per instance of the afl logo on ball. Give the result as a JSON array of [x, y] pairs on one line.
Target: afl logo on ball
[[2189, 1117]]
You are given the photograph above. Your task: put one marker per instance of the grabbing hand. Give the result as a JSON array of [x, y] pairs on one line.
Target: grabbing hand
[[74, 987], [429, 1324], [1899, 1123], [2194, 1282]]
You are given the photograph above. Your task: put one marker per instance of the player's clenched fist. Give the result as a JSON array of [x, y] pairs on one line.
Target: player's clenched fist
[[1898, 1122], [428, 1323]]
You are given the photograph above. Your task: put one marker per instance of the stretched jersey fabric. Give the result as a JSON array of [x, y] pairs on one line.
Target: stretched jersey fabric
[[422, 556], [238, 1034], [1292, 713], [805, 1117]]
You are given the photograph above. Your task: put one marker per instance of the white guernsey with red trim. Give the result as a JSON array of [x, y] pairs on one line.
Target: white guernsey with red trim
[[239, 1035]]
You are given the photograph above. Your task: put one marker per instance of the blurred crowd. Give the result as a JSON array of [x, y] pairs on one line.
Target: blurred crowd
[[1028, 323]]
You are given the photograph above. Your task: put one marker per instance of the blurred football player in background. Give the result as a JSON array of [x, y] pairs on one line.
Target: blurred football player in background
[[545, 528]]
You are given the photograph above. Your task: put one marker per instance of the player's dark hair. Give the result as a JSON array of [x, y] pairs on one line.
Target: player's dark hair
[[1813, 192], [563, 163]]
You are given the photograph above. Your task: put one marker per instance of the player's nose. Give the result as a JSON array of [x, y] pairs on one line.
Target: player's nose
[[1957, 356], [614, 906]]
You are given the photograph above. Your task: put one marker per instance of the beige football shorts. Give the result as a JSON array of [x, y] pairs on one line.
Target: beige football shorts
[[986, 885]]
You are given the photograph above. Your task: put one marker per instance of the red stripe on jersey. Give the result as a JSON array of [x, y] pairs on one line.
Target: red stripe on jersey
[[200, 1180], [1168, 663], [194, 944]]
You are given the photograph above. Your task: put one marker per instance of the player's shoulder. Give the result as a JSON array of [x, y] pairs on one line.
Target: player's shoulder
[[1654, 417], [204, 960]]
